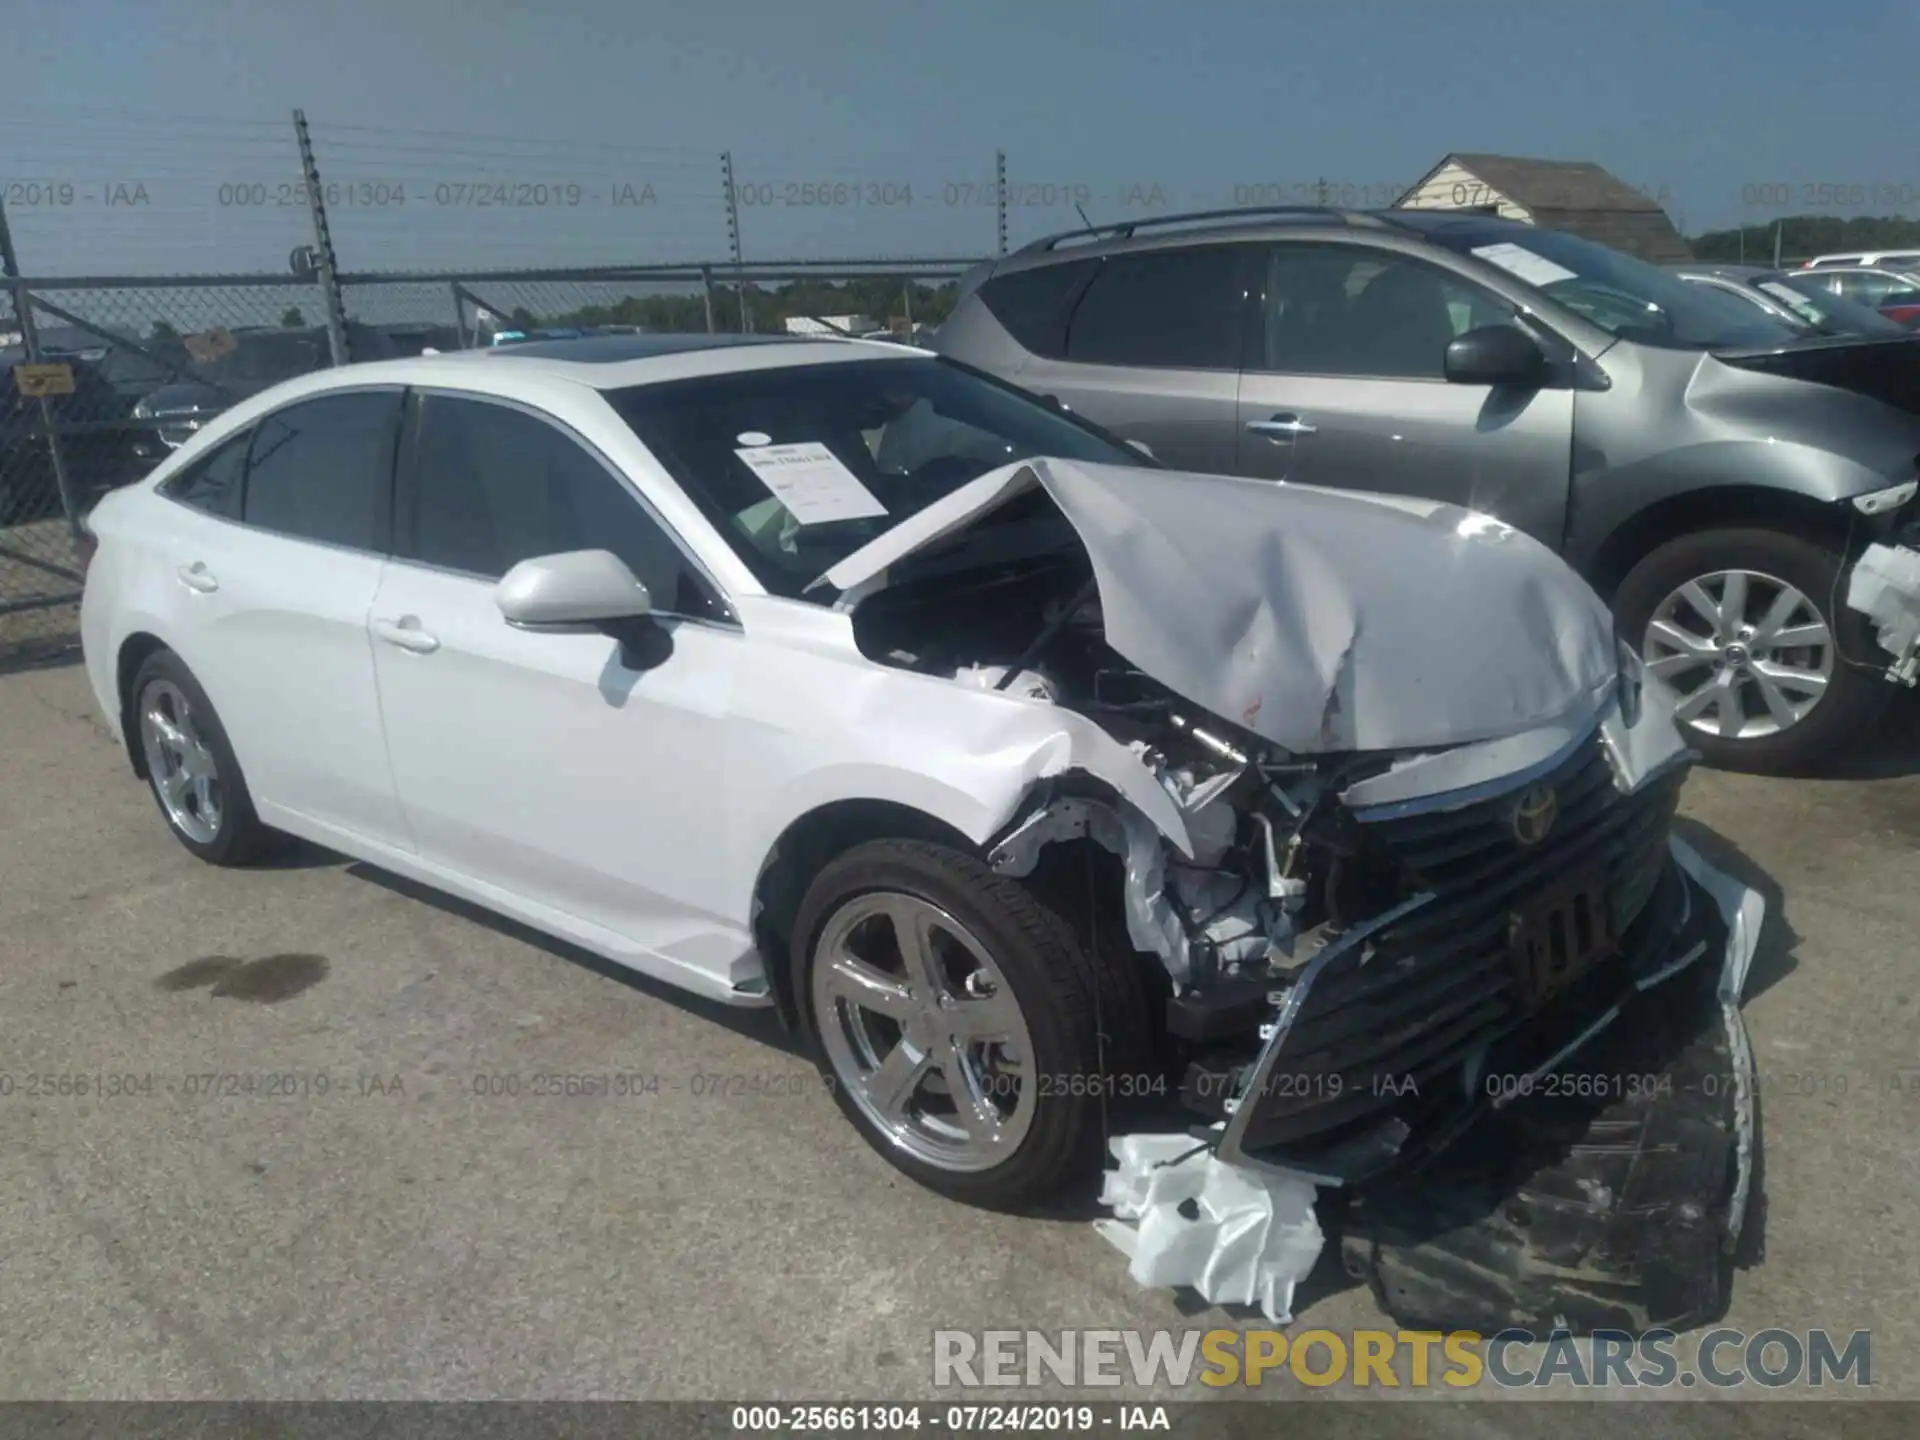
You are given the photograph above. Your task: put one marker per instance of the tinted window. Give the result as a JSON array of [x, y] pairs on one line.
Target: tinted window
[[1177, 308], [320, 469], [1032, 303], [1346, 310], [897, 436], [213, 484], [492, 486]]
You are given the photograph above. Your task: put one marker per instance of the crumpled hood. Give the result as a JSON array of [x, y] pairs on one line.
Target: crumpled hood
[[1321, 620]]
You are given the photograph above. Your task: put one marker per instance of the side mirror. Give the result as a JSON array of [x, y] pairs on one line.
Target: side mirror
[[1141, 446], [579, 587], [1496, 355]]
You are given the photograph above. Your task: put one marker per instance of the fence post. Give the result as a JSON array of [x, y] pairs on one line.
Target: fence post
[[706, 293], [1000, 196], [336, 309], [30, 347], [459, 313], [733, 237]]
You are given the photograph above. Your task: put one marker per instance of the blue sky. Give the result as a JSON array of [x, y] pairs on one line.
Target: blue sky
[[444, 104]]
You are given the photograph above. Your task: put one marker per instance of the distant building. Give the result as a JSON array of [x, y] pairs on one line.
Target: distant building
[[1572, 195], [829, 324]]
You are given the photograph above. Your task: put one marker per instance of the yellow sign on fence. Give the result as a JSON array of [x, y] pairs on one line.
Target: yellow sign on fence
[[38, 380]]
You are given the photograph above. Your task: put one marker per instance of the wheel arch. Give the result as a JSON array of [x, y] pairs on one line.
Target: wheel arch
[[1717, 507], [134, 652], [804, 848]]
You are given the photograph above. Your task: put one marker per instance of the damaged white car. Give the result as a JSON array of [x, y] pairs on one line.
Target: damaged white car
[[1035, 785]]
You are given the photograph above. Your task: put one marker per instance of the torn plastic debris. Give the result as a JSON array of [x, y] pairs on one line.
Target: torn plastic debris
[[1745, 911], [1886, 589], [1236, 1235]]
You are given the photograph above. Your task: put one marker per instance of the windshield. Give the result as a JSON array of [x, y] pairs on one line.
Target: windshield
[[799, 467], [1624, 296], [1820, 307]]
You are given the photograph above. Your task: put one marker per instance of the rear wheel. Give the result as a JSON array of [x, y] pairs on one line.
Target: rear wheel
[[955, 1017], [190, 767], [1748, 628]]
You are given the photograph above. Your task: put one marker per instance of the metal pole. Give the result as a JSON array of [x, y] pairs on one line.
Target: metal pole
[[1000, 198], [1777, 225], [733, 236], [336, 310], [30, 347], [706, 293], [459, 313]]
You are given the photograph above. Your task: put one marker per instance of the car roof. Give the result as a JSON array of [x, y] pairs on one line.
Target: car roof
[[610, 362], [1722, 271], [1255, 223]]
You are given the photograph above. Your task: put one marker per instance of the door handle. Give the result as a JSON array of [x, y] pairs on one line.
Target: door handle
[[407, 634], [1282, 427], [198, 578]]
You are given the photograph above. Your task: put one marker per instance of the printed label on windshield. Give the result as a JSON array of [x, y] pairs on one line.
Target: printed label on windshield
[[811, 482], [1520, 261]]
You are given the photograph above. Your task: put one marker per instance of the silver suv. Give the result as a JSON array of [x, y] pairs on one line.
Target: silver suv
[[1712, 471]]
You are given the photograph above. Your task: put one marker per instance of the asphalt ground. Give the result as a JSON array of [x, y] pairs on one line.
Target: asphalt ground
[[429, 1228]]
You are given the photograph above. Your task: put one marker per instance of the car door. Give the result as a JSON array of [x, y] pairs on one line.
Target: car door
[[1152, 352], [277, 566], [541, 763], [1345, 387]]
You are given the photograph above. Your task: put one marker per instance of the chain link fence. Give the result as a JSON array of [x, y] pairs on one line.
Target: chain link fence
[[101, 378]]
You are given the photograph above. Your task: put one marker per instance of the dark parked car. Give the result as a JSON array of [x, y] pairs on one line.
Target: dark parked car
[[260, 357], [1713, 471], [1793, 297]]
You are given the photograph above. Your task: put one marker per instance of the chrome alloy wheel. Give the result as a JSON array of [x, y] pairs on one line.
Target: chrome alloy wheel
[[1746, 654], [923, 1031], [185, 775]]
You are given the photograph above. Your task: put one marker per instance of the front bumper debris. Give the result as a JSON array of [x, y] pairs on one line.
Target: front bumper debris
[[1606, 1184], [1885, 587]]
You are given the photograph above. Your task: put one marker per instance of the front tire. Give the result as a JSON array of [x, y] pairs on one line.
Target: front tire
[[955, 1018], [1749, 628], [190, 766]]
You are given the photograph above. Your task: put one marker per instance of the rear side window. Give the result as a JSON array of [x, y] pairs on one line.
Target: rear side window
[[1181, 309], [321, 470], [491, 486], [1032, 304], [213, 484]]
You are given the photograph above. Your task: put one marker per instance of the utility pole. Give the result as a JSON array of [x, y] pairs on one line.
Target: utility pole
[[1778, 225], [323, 246], [1000, 197], [706, 293], [733, 237]]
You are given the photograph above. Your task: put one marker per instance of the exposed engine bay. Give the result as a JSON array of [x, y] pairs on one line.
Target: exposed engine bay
[[1350, 987]]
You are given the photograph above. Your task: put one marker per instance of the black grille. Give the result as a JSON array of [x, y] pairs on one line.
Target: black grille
[[1384, 1019]]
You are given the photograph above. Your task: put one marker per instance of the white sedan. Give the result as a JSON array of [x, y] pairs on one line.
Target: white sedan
[[1025, 779]]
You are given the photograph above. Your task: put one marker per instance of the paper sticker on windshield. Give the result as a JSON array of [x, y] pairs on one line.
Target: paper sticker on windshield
[[1520, 261], [811, 482]]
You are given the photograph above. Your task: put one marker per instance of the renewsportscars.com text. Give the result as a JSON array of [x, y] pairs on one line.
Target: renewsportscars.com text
[[1724, 1359]]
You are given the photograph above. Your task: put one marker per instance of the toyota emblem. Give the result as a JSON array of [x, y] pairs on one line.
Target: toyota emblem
[[1533, 815]]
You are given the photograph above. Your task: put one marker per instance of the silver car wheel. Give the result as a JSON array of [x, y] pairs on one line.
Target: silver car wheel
[[923, 1031], [180, 763], [1747, 654]]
